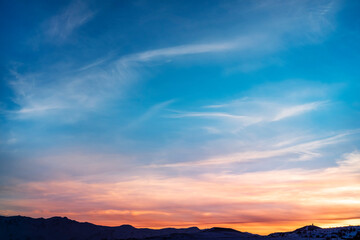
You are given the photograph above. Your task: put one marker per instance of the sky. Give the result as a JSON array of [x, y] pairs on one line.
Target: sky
[[241, 114]]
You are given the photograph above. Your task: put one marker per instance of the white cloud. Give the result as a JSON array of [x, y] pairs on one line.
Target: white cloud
[[63, 24], [91, 84], [150, 113], [245, 112], [40, 109], [80, 91], [304, 151], [179, 51], [246, 120], [291, 111]]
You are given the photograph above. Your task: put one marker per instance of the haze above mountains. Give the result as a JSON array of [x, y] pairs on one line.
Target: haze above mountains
[[62, 228]]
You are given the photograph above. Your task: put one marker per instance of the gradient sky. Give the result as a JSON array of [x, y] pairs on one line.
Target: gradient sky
[[241, 114]]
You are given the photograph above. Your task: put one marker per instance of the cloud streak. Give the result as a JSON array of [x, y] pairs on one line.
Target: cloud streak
[[180, 51], [304, 151], [296, 110], [72, 17], [155, 109], [246, 120], [238, 111]]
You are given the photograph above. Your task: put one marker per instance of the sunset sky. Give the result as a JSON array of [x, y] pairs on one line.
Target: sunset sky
[[241, 114]]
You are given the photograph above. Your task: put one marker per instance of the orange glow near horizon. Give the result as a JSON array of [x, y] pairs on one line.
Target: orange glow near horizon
[[257, 202]]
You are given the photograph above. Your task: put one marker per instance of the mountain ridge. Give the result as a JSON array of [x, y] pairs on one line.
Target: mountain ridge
[[63, 228]]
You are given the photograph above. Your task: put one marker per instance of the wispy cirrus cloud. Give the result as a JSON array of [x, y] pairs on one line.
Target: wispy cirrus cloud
[[295, 152], [247, 42], [97, 81], [115, 72], [38, 109], [246, 120], [72, 17], [93, 83], [292, 111], [261, 112], [79, 91], [153, 110], [183, 50]]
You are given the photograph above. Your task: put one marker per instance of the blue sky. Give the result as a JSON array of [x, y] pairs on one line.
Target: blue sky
[[103, 93]]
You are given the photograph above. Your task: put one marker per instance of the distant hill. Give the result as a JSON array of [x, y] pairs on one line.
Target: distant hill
[[314, 232], [62, 228], [58, 228]]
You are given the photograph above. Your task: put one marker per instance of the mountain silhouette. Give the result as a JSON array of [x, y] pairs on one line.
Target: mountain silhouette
[[62, 228]]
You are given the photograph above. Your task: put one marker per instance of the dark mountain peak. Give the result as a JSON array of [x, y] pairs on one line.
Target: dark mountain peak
[[220, 229], [58, 218], [193, 229], [300, 231], [126, 227], [311, 227]]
